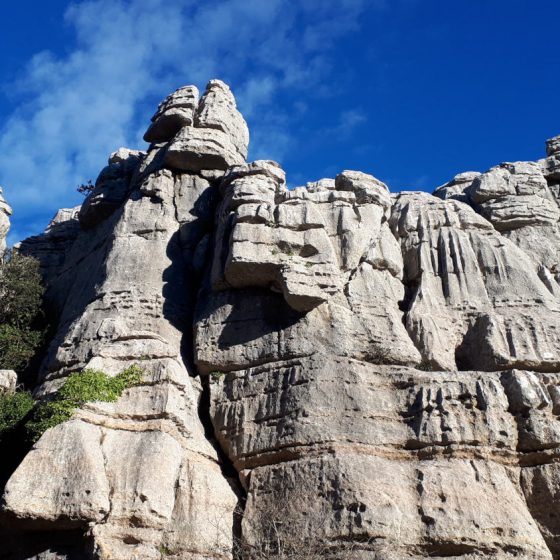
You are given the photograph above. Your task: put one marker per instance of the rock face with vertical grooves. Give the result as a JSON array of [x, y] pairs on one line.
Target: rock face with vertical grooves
[[377, 374]]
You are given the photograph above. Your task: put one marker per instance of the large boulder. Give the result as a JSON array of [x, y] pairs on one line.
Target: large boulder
[[214, 137], [174, 112]]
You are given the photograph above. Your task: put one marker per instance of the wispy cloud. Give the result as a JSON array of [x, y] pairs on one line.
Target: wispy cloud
[[348, 121], [77, 108]]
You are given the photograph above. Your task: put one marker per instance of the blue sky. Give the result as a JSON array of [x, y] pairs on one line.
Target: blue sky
[[411, 91]]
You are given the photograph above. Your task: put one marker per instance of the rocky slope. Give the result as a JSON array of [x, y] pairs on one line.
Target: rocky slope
[[376, 373]]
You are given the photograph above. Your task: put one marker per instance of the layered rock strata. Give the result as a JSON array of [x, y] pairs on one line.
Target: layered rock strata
[[368, 375], [138, 476]]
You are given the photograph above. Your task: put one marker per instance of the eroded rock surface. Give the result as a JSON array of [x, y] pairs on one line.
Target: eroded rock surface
[[476, 299], [131, 474], [365, 375], [521, 200], [5, 213]]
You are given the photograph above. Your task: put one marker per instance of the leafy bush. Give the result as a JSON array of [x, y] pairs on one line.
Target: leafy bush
[[21, 319], [13, 409], [17, 346], [94, 385], [21, 290], [86, 386], [47, 415]]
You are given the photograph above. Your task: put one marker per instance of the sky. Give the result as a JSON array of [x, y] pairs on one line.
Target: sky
[[411, 91]]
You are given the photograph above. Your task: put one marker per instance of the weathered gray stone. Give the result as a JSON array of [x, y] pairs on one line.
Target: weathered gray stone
[[195, 149], [63, 479], [126, 296], [551, 165], [455, 188], [218, 137], [218, 110], [5, 213], [367, 189], [314, 250], [111, 187], [380, 373], [478, 301], [175, 112], [51, 249], [541, 486], [519, 201], [8, 381]]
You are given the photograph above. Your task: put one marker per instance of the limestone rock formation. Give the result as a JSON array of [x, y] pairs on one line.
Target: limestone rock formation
[[173, 113], [111, 187], [52, 247], [5, 213], [218, 137], [551, 165], [360, 375], [476, 299], [521, 201]]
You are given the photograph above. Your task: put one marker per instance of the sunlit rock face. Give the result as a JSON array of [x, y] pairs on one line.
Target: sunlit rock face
[[5, 213], [370, 375]]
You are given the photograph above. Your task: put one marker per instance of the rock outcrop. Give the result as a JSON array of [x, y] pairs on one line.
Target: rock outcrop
[[364, 375], [8, 381], [5, 213], [476, 299], [521, 201], [51, 247]]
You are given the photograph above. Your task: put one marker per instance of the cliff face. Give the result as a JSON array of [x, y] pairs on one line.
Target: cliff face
[[5, 213], [376, 373]]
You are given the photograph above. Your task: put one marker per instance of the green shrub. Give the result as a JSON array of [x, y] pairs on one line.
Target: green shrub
[[21, 319], [94, 385], [13, 409], [47, 415], [86, 386], [21, 290], [17, 346]]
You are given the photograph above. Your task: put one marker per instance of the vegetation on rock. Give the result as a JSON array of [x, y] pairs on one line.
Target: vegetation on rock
[[13, 409], [86, 188], [22, 325], [18, 346], [86, 386]]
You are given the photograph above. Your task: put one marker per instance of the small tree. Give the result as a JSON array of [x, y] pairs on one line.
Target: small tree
[[21, 290], [86, 188], [21, 318]]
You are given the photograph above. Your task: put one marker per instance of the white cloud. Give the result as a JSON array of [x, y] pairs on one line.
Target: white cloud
[[348, 121], [75, 109]]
